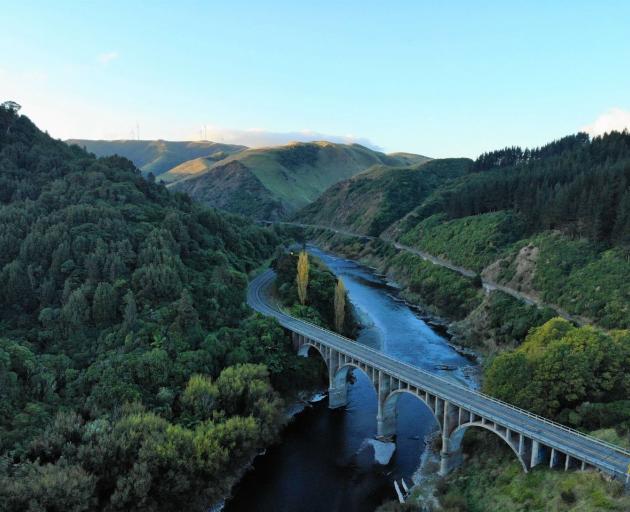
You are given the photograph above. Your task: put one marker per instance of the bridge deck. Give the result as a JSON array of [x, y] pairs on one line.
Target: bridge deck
[[607, 457]]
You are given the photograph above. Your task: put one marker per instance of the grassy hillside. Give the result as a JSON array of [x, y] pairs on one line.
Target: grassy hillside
[[293, 175], [127, 355], [369, 202], [158, 156], [192, 167], [233, 187]]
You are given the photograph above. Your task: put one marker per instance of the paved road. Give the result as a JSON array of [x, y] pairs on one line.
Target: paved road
[[488, 285], [607, 457]]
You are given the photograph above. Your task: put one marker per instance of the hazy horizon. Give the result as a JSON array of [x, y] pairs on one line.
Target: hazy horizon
[[438, 80]]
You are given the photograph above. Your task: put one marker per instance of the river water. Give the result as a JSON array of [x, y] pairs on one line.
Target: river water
[[319, 464]]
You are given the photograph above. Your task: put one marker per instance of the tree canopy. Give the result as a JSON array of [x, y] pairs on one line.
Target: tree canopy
[[127, 355]]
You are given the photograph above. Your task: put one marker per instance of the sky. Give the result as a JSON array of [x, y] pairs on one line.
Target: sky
[[442, 79]]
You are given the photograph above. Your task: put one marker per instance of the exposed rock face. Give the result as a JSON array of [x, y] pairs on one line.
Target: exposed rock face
[[523, 265]]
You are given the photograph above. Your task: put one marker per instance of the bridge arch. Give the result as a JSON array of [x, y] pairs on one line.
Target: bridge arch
[[389, 410], [305, 351], [342, 374], [339, 379], [457, 436]]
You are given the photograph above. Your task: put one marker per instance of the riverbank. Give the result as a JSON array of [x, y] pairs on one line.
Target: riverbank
[[305, 399], [477, 321], [334, 447]]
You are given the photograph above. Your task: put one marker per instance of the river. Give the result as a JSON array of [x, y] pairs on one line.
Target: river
[[318, 465]]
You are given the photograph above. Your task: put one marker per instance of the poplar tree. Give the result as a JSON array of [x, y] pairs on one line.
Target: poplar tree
[[302, 276], [340, 305]]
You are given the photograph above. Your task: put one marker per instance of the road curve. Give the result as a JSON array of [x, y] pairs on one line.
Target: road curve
[[609, 458]]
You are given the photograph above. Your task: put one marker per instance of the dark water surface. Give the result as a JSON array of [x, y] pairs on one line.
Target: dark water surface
[[318, 465]]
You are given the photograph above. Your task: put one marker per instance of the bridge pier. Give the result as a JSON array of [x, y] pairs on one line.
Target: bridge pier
[[450, 455], [450, 461], [386, 415], [338, 382], [337, 397], [538, 454]]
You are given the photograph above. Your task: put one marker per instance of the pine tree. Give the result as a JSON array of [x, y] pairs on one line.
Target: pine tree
[[302, 276], [340, 305]]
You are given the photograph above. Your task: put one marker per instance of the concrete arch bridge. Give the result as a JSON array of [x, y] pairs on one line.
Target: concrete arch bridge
[[533, 439]]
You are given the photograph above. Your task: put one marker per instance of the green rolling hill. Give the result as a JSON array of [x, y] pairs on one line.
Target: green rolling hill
[[158, 156], [279, 180]]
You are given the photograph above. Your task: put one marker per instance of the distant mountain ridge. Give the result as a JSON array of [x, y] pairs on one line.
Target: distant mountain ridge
[[266, 183], [158, 156]]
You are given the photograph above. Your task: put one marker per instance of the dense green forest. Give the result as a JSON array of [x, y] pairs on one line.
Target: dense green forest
[[132, 376], [576, 184], [575, 375], [371, 201], [551, 222]]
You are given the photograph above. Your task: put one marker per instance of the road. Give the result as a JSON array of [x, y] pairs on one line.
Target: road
[[488, 284], [607, 457]]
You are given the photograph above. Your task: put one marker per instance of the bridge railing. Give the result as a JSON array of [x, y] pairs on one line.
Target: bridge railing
[[485, 396]]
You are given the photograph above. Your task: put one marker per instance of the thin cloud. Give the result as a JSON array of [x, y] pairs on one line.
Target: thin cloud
[[256, 137], [615, 119], [106, 58]]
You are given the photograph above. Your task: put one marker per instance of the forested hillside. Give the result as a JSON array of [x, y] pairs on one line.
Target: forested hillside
[[575, 185], [371, 201], [131, 374], [553, 222], [550, 223]]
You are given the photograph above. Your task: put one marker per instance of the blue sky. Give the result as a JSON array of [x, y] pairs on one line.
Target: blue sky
[[453, 79]]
